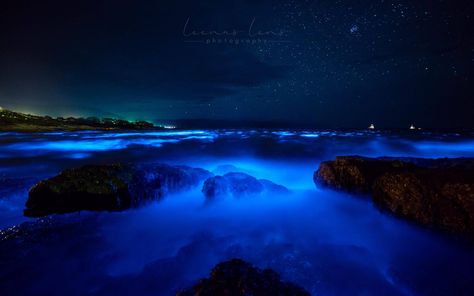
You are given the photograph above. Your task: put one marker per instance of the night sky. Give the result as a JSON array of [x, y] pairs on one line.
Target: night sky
[[312, 63]]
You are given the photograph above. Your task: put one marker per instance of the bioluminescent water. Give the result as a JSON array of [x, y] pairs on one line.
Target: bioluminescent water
[[330, 243]]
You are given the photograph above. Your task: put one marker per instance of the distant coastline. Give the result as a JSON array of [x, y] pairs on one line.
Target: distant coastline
[[11, 121]]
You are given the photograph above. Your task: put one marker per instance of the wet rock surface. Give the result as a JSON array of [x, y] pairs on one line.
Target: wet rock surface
[[356, 174], [109, 187], [239, 185], [237, 277], [435, 192]]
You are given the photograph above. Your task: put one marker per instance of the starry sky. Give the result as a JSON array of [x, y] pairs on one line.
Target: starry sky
[[311, 63]]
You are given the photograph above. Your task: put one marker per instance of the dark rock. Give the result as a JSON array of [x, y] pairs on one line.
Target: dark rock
[[438, 197], [109, 187], [21, 237], [239, 185], [434, 192], [237, 277], [354, 173]]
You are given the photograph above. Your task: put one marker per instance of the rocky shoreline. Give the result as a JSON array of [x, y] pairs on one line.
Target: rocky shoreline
[[11, 121], [434, 192], [438, 193]]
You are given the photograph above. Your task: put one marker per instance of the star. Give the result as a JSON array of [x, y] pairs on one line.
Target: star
[[354, 29]]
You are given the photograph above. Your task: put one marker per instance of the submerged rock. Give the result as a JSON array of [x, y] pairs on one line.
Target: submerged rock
[[109, 187], [433, 192], [237, 277], [18, 239], [239, 185]]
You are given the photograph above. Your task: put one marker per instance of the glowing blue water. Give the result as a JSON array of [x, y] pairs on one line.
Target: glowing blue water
[[331, 243]]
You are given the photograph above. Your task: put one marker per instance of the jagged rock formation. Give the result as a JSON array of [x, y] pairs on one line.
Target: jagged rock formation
[[434, 192], [109, 187]]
